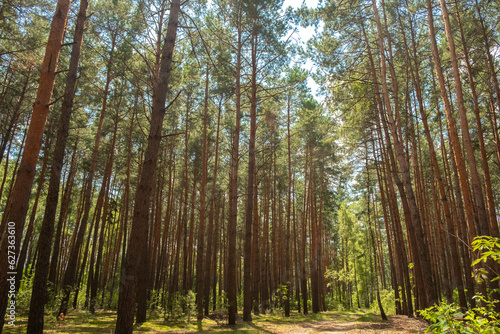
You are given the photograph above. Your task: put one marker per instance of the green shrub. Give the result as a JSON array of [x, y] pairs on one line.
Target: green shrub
[[449, 318]]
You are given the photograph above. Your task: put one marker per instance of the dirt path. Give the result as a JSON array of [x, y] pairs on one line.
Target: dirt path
[[327, 322], [395, 324]]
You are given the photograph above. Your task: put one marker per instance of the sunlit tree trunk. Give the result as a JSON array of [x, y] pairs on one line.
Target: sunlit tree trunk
[[138, 237], [247, 280], [72, 267], [230, 272], [200, 279], [477, 190], [63, 215], [18, 206], [415, 224], [209, 265]]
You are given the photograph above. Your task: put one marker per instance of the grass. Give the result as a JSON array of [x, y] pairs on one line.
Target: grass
[[369, 317], [103, 321]]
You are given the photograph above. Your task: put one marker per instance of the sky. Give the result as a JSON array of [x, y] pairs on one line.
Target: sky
[[303, 35]]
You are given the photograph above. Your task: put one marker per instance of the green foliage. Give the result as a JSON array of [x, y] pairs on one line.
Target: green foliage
[[223, 302], [490, 250], [388, 302], [449, 318], [179, 306], [278, 299], [23, 297]]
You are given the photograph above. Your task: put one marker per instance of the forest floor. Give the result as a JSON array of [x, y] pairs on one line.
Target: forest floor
[[327, 322]]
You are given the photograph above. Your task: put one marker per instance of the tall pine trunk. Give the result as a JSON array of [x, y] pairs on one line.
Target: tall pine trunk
[[247, 268], [17, 210], [138, 237], [231, 267], [72, 267]]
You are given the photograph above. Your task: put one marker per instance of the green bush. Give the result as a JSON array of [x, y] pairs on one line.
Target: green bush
[[449, 318], [388, 302]]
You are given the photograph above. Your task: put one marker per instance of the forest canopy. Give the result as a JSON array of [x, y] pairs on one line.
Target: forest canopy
[[159, 158]]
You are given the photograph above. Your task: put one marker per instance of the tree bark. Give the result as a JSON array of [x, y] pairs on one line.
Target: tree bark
[[63, 214], [231, 267], [17, 210], [247, 268], [210, 234], [138, 237], [477, 190], [288, 213], [415, 222], [72, 267], [200, 281]]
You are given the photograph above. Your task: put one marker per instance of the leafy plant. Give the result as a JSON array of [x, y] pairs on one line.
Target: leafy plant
[[449, 318]]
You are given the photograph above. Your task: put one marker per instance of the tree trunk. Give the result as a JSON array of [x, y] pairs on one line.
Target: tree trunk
[[477, 190], [200, 281], [210, 234], [457, 271], [16, 212], [247, 280], [62, 218], [94, 279], [72, 267], [418, 240], [138, 237], [231, 267], [288, 213], [29, 232]]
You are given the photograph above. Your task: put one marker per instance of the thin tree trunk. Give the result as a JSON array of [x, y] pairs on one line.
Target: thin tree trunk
[[29, 233], [231, 267], [303, 277], [72, 268], [200, 281], [247, 280], [456, 267], [415, 224], [15, 116], [62, 217], [94, 279], [477, 190], [288, 213], [210, 239]]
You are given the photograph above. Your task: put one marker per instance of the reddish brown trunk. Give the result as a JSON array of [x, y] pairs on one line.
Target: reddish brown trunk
[[200, 281], [62, 218], [29, 233], [477, 190], [231, 266], [138, 237], [17, 210], [72, 268], [210, 239], [247, 280], [417, 236]]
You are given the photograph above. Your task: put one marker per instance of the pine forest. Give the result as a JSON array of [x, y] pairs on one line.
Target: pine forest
[[250, 166]]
